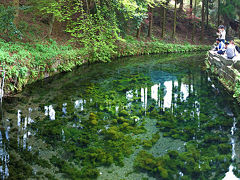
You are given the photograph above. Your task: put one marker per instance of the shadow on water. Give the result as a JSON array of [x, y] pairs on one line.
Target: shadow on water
[[149, 117]]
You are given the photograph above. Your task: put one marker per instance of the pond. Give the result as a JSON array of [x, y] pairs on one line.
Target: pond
[[148, 117]]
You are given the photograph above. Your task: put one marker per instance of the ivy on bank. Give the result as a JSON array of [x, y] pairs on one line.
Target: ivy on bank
[[155, 47], [25, 63]]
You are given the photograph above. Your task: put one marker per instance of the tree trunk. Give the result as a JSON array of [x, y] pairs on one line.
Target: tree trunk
[[218, 12], [139, 31], [207, 12], [174, 20], [150, 18], [51, 21], [194, 21], [227, 27], [203, 19], [190, 17], [191, 8], [181, 5], [16, 6], [239, 27], [163, 22], [87, 6]]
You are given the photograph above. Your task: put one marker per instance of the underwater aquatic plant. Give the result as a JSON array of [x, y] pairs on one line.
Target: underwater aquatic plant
[[149, 143]]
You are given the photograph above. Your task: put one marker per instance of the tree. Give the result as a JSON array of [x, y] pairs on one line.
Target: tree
[[150, 19], [174, 20], [203, 19], [139, 31], [207, 12], [191, 7], [229, 10], [51, 21], [194, 20], [146, 5], [163, 21], [8, 29], [16, 6], [164, 9], [47, 9], [218, 13], [181, 4]]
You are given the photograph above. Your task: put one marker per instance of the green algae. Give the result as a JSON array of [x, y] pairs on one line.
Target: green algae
[[149, 143]]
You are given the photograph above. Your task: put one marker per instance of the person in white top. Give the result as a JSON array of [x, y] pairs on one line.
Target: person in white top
[[222, 33], [230, 50]]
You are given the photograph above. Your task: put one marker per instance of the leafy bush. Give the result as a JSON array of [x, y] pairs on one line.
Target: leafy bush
[[26, 62], [7, 27], [237, 42]]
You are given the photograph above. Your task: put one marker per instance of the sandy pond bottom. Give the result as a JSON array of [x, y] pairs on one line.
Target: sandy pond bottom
[[149, 117]]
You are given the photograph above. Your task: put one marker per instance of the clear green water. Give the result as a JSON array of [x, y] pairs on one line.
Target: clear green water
[[150, 117]]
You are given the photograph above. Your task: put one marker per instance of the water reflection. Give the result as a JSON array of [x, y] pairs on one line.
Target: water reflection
[[144, 93], [4, 156], [165, 94], [79, 104], [64, 108], [230, 175], [23, 132]]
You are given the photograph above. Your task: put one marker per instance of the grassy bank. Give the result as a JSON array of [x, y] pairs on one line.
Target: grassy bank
[[26, 62]]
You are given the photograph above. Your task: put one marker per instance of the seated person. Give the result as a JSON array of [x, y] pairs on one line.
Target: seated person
[[220, 46], [236, 47], [230, 50]]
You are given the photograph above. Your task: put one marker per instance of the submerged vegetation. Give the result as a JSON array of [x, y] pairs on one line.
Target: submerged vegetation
[[112, 115], [207, 146]]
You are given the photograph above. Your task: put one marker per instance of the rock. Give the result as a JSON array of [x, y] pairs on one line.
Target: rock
[[236, 65], [225, 61]]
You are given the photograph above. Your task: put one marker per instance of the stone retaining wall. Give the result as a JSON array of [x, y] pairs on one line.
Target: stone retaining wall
[[227, 70]]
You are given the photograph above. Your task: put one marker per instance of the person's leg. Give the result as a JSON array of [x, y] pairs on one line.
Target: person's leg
[[222, 40], [220, 52]]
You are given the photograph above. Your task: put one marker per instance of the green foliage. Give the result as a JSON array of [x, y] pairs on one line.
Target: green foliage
[[96, 35], [7, 28], [237, 89], [26, 63], [96, 27], [230, 9], [155, 47], [237, 42]]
